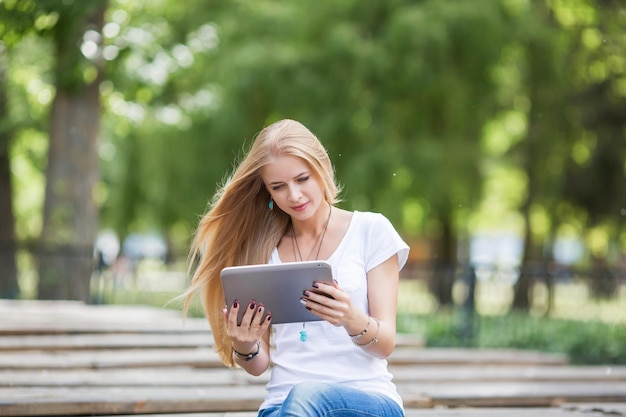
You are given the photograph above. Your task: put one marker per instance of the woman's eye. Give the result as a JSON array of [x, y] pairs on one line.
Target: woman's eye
[[303, 179], [276, 187]]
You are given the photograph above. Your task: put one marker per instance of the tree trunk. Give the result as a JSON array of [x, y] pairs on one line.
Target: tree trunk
[[521, 290], [442, 280], [70, 213], [8, 270]]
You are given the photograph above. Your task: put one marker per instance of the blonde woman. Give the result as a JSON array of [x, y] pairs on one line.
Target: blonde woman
[[279, 206]]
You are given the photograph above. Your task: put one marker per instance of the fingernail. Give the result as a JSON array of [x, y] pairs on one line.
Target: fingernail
[[252, 306], [308, 308], [306, 293], [303, 301], [269, 317], [261, 309], [236, 304], [315, 285]]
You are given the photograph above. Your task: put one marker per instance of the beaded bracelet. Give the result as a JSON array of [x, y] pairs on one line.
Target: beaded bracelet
[[356, 336], [249, 356], [374, 339]]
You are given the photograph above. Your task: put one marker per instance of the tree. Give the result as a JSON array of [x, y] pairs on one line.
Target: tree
[[8, 279], [70, 213], [595, 175], [15, 22]]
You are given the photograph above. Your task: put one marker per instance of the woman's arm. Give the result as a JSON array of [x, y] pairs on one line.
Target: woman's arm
[[382, 294], [382, 291]]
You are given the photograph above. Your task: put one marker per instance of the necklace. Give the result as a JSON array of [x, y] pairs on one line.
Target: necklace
[[320, 239]]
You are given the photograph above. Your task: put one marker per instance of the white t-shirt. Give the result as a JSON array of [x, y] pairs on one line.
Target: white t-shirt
[[328, 354]]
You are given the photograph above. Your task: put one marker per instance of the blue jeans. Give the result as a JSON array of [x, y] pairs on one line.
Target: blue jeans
[[317, 399]]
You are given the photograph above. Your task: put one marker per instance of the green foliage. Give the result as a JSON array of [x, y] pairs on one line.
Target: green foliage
[[432, 111], [585, 342]]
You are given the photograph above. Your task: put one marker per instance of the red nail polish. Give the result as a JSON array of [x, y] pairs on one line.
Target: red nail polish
[[269, 317], [236, 304], [252, 306]]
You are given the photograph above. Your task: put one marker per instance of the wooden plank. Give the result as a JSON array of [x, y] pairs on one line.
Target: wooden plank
[[145, 338], [442, 356], [121, 358], [19, 401], [207, 357], [612, 409], [137, 377], [22, 317], [492, 373], [188, 376], [105, 341], [126, 400], [514, 394]]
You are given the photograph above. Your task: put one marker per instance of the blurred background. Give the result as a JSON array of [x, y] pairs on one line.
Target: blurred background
[[492, 133]]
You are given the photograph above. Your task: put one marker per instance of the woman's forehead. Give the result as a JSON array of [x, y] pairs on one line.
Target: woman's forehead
[[284, 167]]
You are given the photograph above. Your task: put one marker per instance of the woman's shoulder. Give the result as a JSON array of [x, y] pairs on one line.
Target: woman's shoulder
[[370, 217]]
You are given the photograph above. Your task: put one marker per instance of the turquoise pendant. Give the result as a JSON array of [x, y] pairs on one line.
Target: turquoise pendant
[[303, 334]]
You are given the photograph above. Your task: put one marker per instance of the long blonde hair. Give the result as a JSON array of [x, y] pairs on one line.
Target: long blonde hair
[[239, 228]]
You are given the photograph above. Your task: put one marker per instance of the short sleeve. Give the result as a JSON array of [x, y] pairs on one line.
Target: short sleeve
[[384, 242]]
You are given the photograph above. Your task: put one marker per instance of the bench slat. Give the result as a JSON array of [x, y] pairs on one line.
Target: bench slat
[[186, 376], [20, 401], [207, 357]]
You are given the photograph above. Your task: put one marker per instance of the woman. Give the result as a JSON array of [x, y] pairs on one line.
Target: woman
[[278, 206]]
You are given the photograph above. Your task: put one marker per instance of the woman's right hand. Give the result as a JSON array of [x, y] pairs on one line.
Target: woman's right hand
[[245, 336]]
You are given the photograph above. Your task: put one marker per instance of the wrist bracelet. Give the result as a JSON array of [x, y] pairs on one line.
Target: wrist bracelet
[[356, 336], [249, 356], [374, 339]]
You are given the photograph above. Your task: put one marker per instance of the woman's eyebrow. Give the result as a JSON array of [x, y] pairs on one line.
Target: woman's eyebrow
[[302, 174]]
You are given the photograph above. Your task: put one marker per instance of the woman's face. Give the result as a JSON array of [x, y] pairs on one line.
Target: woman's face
[[293, 185]]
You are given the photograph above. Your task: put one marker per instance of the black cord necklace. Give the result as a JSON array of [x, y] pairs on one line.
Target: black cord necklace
[[319, 239], [295, 246]]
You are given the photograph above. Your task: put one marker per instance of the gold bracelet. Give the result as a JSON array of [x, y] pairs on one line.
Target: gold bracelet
[[356, 336], [249, 356], [374, 340]]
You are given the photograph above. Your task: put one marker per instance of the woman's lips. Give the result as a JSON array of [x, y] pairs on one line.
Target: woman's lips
[[301, 207]]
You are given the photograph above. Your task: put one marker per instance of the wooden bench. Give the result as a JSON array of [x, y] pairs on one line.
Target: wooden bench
[[68, 358]]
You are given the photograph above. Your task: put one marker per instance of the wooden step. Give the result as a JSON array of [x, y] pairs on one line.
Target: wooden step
[[190, 376]]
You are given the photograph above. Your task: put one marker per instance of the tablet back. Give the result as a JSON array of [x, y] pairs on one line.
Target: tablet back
[[278, 287]]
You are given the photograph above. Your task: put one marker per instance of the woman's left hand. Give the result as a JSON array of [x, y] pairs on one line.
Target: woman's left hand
[[329, 302]]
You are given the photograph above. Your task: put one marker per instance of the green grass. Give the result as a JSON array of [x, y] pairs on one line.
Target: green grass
[[585, 342]]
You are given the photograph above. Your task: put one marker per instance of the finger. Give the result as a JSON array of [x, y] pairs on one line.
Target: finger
[[325, 296], [248, 315], [322, 288], [259, 315], [256, 323], [231, 316], [265, 324]]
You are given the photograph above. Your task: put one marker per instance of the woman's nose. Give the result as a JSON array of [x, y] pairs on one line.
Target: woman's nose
[[294, 193]]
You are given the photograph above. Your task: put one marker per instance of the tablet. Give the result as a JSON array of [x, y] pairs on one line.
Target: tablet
[[278, 287]]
